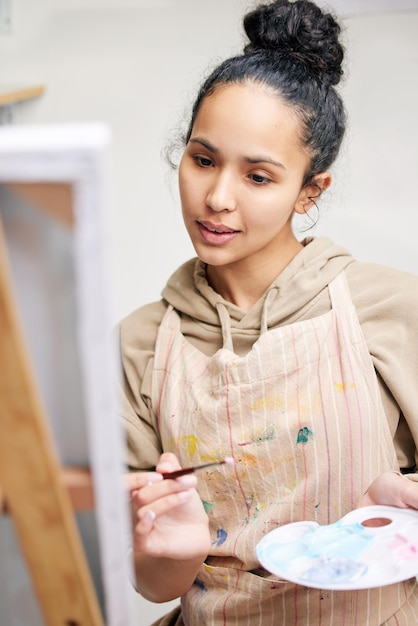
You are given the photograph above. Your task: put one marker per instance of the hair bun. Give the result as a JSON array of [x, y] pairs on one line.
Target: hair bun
[[299, 30]]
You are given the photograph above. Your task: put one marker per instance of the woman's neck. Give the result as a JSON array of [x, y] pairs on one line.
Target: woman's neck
[[243, 284]]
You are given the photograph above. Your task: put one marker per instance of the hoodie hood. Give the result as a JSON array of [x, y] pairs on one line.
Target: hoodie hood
[[309, 272]]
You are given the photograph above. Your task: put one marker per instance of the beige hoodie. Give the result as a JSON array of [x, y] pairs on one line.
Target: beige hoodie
[[386, 301]]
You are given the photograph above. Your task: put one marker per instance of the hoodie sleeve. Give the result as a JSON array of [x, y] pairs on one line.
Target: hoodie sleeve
[[387, 306], [137, 336]]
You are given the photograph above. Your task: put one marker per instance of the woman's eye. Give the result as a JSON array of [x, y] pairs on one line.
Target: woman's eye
[[259, 180], [203, 161]]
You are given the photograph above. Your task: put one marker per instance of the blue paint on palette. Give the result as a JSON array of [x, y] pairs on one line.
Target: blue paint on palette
[[329, 550], [328, 570]]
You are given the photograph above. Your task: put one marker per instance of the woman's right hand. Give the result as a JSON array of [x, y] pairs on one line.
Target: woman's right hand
[[168, 517]]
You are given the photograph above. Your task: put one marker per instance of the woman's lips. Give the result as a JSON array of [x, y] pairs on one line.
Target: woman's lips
[[216, 233]]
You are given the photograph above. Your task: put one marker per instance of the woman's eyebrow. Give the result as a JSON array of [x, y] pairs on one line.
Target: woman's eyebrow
[[205, 144], [264, 159], [255, 159]]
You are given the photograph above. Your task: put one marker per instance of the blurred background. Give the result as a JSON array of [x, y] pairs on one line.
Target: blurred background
[[136, 65]]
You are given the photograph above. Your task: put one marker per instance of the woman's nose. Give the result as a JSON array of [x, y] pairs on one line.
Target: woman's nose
[[221, 195]]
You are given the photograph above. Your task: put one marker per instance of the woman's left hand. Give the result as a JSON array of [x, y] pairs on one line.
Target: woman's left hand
[[391, 489]]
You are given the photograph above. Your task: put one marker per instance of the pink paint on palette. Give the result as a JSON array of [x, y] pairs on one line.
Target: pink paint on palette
[[404, 548]]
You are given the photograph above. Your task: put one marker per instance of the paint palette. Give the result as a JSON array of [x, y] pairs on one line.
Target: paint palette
[[369, 547]]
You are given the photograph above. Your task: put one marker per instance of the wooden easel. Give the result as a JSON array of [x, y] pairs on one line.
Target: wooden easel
[[35, 491]]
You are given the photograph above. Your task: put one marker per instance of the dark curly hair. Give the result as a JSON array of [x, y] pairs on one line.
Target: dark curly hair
[[293, 49]]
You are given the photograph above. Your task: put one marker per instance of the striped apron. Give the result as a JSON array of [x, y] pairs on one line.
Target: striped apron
[[302, 416]]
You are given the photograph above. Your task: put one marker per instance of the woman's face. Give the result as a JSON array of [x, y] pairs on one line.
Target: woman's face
[[241, 176]]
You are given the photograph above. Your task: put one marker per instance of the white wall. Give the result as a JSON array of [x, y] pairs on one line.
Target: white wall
[[135, 65], [372, 209]]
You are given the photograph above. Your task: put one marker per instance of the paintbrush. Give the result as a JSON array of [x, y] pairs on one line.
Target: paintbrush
[[189, 470]]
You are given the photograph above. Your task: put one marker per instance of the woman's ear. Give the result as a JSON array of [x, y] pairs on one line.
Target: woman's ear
[[311, 191]]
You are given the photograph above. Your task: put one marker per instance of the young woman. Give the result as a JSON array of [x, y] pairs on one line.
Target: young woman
[[289, 356]]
